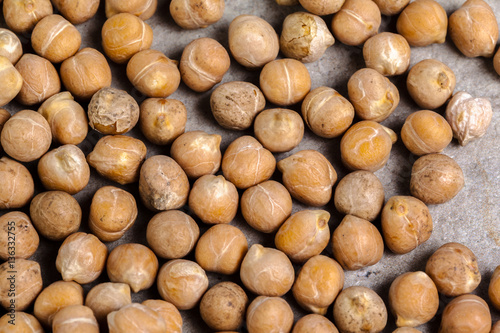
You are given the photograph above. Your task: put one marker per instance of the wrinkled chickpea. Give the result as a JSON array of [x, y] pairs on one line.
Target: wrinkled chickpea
[[77, 11], [322, 7], [391, 7], [107, 297], [12, 81], [271, 314], [387, 53], [75, 318], [162, 120], [318, 283], [27, 279], [356, 21], [18, 225], [21, 16], [168, 312], [25, 322], [10, 46], [144, 9], [193, 14], [136, 315], [267, 271], [253, 42], [17, 184], [279, 130], [221, 249], [466, 313], [64, 169], [314, 323], [494, 288]]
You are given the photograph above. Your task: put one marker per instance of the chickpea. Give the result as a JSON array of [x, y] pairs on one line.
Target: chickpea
[[77, 11], [423, 22], [360, 193], [413, 299], [436, 178], [17, 184], [136, 315], [322, 7], [134, 264], [162, 120], [123, 35], [13, 81], [21, 16], [356, 21], [107, 297], [55, 214], [153, 74], [454, 269], [85, 73], [144, 9], [359, 309], [496, 62], [391, 7], [253, 42], [406, 330], [198, 153], [18, 226], [191, 14], [223, 306], [64, 169], [4, 116], [182, 283], [309, 177], [406, 223], [314, 323], [318, 284], [40, 79], [172, 234], [204, 62], [267, 271], [235, 104], [247, 163], [269, 314], [466, 313], [356, 243], [118, 158], [221, 249], [327, 113], [75, 318], [168, 312], [266, 206], [387, 53], [10, 46], [25, 322], [67, 119], [25, 277], [279, 130], [163, 185], [494, 288]]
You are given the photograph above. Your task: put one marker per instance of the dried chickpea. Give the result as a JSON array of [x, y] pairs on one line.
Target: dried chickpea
[[366, 146], [17, 184], [64, 169], [77, 11], [406, 223], [309, 177], [305, 37], [360, 193], [54, 297], [162, 120], [356, 21], [266, 206], [318, 283], [144, 9], [496, 62], [4, 116], [391, 7], [168, 312], [198, 153], [387, 53], [359, 309], [18, 237], [40, 79], [436, 178], [163, 185], [357, 243], [11, 79], [192, 14], [314, 323], [246, 162], [138, 316], [266, 271], [304, 235], [413, 299], [55, 214], [118, 158], [235, 104], [473, 29], [279, 130], [221, 249], [134, 264], [153, 74], [269, 314], [24, 323], [75, 318], [172, 234], [26, 136], [468, 117], [107, 297], [223, 306], [55, 38], [425, 132], [123, 35], [182, 283], [85, 73], [494, 288], [322, 7], [25, 278], [21, 16], [406, 330], [423, 22], [430, 83], [466, 313], [253, 42], [454, 269], [285, 81], [10, 46], [204, 62]]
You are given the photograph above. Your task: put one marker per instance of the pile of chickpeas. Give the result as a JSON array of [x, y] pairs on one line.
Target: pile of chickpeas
[[234, 217]]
